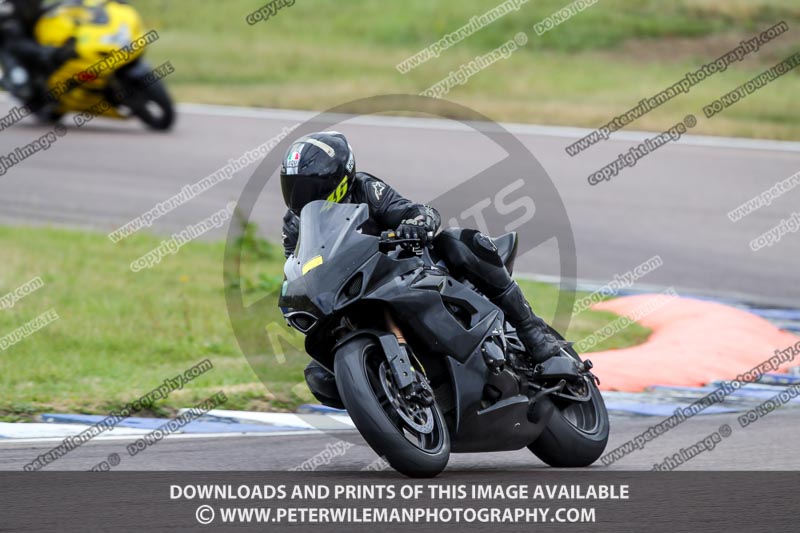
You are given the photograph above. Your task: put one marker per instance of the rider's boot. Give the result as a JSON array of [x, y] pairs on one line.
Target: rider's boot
[[323, 385], [23, 87], [16, 78], [532, 331]]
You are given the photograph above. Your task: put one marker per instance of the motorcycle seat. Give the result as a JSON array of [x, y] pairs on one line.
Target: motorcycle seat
[[507, 248]]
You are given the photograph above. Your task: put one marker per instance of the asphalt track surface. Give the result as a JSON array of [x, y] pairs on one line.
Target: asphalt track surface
[[673, 203], [767, 444]]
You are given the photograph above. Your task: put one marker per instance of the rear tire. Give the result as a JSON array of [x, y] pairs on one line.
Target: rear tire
[[153, 106], [577, 434], [148, 101], [563, 444], [357, 369]]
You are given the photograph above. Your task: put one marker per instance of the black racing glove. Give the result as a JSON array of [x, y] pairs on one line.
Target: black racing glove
[[413, 228], [422, 227]]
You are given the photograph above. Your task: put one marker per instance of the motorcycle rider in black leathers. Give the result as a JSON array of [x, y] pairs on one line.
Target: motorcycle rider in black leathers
[[27, 64], [322, 166]]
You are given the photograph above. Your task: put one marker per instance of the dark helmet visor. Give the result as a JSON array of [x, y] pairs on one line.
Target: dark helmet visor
[[299, 190]]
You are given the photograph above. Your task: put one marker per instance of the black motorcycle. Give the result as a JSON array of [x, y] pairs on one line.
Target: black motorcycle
[[424, 363]]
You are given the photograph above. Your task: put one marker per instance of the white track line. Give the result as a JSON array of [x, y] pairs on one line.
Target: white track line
[[303, 424], [298, 420], [176, 436], [452, 125], [565, 132]]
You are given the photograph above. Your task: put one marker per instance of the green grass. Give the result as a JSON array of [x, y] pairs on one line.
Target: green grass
[[319, 53], [120, 334]]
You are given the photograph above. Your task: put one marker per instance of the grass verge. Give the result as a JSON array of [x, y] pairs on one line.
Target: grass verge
[[120, 334], [595, 65]]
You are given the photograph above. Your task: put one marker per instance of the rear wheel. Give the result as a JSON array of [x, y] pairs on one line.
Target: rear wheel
[[153, 106], [145, 99], [412, 438], [577, 433]]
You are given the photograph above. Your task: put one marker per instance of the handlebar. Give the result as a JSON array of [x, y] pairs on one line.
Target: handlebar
[[389, 239]]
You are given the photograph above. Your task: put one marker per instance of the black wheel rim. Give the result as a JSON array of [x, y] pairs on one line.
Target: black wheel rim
[[584, 416], [411, 421], [154, 110]]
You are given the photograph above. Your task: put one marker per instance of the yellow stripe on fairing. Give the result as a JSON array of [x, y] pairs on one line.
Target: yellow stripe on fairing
[[311, 264]]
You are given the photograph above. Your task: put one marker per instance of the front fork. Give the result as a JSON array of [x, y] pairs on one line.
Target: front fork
[[413, 387]]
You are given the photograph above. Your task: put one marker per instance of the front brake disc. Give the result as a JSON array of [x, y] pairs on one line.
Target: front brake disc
[[415, 416]]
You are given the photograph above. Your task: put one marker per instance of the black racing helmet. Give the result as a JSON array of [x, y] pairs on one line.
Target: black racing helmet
[[26, 11], [319, 166]]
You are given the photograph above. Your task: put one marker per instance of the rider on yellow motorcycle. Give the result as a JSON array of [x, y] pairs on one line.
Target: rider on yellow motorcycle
[[25, 63], [84, 57]]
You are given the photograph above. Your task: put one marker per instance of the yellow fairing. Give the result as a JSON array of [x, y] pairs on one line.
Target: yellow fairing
[[103, 31]]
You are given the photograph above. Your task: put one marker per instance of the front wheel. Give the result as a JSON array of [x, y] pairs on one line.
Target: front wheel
[[412, 438], [577, 434]]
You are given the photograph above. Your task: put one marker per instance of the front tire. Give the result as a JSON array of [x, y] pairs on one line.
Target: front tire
[[577, 434], [49, 116], [363, 382]]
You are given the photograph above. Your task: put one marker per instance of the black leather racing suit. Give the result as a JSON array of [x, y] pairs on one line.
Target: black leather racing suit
[[387, 210], [26, 64]]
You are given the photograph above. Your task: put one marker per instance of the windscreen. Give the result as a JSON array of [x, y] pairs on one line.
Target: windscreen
[[329, 232]]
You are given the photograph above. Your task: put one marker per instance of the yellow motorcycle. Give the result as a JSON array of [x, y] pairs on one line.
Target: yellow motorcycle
[[107, 76]]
